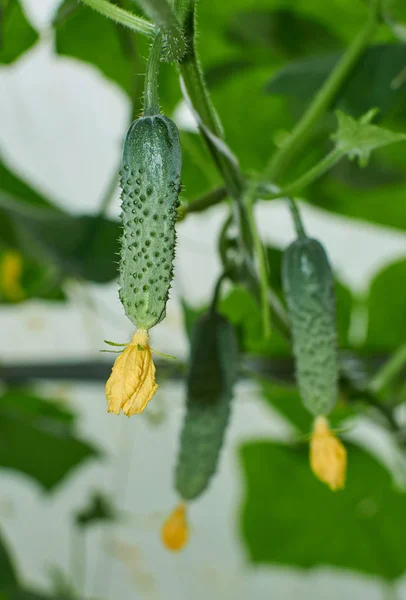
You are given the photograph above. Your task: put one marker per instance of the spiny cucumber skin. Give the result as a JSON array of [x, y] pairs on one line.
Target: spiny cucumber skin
[[309, 290], [213, 371], [150, 182]]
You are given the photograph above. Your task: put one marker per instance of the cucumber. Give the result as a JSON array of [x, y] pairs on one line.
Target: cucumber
[[150, 182], [213, 372], [309, 290]]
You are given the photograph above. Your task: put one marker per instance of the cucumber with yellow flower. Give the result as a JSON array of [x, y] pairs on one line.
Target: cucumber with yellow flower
[[150, 183], [309, 290]]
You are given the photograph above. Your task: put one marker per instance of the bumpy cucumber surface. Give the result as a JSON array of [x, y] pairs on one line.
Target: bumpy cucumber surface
[[150, 182], [309, 289], [212, 374]]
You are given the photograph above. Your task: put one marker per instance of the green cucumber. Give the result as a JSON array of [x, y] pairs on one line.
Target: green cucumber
[[150, 182], [309, 290], [213, 372]]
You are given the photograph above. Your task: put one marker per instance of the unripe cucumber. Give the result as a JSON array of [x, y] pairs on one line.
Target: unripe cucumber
[[150, 182], [212, 374], [309, 290]]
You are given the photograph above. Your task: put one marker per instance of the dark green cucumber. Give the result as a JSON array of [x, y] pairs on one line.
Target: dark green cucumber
[[212, 374], [150, 181], [309, 290]]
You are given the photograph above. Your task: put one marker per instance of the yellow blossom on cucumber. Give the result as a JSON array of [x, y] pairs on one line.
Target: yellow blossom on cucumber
[[175, 530], [328, 457], [131, 384], [11, 268]]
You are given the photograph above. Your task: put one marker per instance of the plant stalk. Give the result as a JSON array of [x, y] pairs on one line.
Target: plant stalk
[[151, 99], [324, 98], [115, 13]]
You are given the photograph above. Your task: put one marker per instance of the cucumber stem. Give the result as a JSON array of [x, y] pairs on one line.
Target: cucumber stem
[[124, 17], [151, 99], [297, 219]]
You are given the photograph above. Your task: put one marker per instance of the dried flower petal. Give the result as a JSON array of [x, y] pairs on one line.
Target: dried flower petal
[[175, 530], [11, 269], [328, 457], [131, 384]]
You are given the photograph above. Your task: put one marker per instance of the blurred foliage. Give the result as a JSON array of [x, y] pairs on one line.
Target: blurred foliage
[[98, 509], [387, 308], [17, 35], [291, 519], [264, 61], [37, 438]]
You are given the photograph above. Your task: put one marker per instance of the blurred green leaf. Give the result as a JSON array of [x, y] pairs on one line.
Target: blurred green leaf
[[80, 246], [22, 278], [290, 518], [358, 137], [85, 34], [282, 30], [394, 13], [371, 84], [285, 399], [17, 35], [8, 574], [344, 308], [383, 205], [15, 189], [242, 310], [97, 509], [36, 438], [387, 308]]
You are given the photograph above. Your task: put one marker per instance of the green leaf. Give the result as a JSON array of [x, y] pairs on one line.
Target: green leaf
[[283, 30], [79, 246], [17, 34], [290, 518], [98, 509], [358, 138], [13, 188], [371, 83], [37, 438], [85, 34], [243, 311], [27, 279], [8, 575], [394, 13], [364, 204], [285, 399], [387, 308]]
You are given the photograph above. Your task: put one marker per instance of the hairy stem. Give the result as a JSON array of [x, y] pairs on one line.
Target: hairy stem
[[161, 13], [124, 17], [151, 99], [323, 99]]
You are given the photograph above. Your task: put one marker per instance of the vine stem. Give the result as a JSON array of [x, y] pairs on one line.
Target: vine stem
[[323, 99], [307, 178], [389, 370], [151, 99], [122, 16], [297, 219], [200, 204], [262, 266]]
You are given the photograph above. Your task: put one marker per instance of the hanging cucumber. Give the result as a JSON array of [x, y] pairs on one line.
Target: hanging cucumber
[[150, 182], [212, 374], [309, 290]]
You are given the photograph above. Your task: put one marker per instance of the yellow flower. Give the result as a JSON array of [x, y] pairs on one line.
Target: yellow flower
[[131, 384], [11, 269], [175, 530], [328, 457]]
